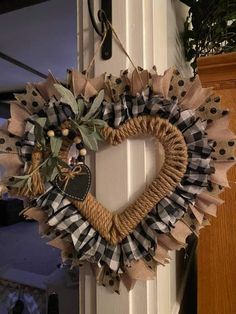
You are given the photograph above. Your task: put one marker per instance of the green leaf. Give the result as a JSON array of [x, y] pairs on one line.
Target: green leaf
[[41, 121], [98, 137], [95, 105], [48, 168], [29, 181], [18, 184], [22, 177], [99, 122], [74, 124], [45, 173], [67, 97], [53, 161], [55, 143], [54, 174], [62, 163], [39, 134], [81, 105], [91, 143], [88, 138]]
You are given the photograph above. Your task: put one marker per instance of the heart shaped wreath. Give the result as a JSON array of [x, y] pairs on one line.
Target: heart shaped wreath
[[185, 118]]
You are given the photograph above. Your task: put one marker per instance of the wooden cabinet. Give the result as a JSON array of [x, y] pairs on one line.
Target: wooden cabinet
[[217, 244]]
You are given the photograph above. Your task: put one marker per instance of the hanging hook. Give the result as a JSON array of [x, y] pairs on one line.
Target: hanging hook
[[100, 17], [104, 16]]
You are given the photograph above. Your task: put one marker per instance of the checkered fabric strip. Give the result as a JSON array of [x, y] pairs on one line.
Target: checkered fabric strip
[[186, 120], [160, 106], [188, 192], [145, 236], [199, 161], [199, 149], [107, 112], [197, 165], [131, 250], [94, 251], [177, 199], [196, 179], [169, 212], [88, 243], [52, 113], [28, 142], [121, 113], [58, 112], [136, 105], [153, 220], [116, 113], [195, 132]]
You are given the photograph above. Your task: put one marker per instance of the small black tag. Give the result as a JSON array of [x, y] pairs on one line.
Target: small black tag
[[76, 183]]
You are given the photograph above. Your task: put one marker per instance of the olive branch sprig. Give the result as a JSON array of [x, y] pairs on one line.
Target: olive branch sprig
[[85, 123]]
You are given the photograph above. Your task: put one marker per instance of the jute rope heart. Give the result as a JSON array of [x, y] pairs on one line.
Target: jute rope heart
[[115, 227]]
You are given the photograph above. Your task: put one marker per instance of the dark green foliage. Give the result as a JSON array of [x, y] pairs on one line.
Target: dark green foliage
[[209, 29]]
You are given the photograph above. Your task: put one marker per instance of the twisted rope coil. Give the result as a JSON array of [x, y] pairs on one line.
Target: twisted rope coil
[[114, 227]]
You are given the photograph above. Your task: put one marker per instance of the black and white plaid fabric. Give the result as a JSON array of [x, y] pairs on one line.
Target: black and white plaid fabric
[[64, 217], [28, 142], [116, 113], [56, 112], [89, 245]]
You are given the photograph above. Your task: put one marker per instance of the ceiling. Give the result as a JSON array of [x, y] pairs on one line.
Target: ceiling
[[43, 36], [8, 6]]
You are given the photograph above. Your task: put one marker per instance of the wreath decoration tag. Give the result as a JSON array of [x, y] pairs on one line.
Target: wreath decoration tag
[[185, 118], [74, 183]]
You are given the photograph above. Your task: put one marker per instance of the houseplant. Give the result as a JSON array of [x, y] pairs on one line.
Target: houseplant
[[210, 28]]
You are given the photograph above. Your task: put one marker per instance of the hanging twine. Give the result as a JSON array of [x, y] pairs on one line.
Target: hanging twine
[[108, 26], [95, 54], [117, 38]]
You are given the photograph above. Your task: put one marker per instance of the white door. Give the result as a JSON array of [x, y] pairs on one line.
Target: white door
[[145, 28]]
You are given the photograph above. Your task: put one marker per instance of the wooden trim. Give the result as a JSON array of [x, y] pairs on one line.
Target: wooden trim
[[216, 251], [218, 71]]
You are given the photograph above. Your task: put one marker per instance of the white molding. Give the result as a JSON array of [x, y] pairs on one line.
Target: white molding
[[160, 35], [143, 28]]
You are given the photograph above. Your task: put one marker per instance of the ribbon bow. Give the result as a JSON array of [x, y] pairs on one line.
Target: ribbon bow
[[66, 176]]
